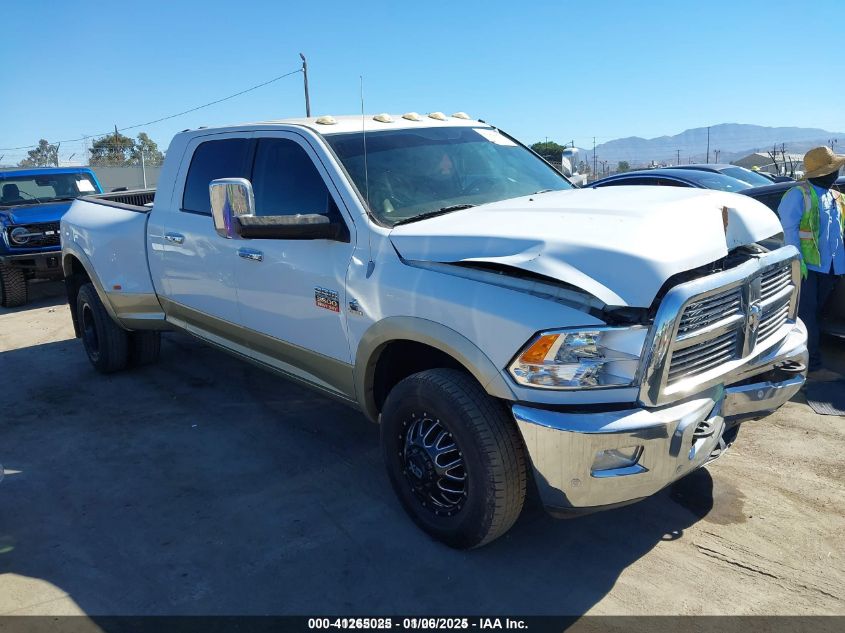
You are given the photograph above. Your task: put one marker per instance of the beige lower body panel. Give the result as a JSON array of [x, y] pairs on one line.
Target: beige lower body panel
[[329, 375], [137, 311]]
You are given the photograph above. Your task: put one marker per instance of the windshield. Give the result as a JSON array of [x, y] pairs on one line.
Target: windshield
[[47, 187], [712, 180], [413, 173], [746, 175]]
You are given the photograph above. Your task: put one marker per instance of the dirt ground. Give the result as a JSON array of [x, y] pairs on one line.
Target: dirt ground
[[202, 485]]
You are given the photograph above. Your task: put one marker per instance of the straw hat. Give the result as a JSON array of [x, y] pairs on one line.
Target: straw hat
[[821, 161]]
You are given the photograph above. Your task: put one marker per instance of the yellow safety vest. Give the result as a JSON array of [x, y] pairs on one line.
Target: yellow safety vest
[[808, 229]]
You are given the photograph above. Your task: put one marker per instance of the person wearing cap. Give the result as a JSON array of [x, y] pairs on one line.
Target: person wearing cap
[[813, 218]]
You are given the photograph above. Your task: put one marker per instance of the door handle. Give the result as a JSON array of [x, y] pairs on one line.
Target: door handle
[[176, 238], [251, 254]]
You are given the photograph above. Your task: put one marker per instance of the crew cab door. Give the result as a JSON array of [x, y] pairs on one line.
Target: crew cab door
[[292, 291], [198, 265]]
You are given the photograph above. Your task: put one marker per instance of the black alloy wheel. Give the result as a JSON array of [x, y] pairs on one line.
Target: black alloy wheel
[[454, 457]]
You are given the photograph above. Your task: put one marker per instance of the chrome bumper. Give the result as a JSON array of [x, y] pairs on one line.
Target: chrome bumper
[[563, 447]]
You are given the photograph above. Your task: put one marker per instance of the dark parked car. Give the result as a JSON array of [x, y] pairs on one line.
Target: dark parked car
[[672, 177], [771, 194], [753, 178]]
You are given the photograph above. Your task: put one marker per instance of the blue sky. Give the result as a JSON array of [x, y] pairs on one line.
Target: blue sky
[[537, 69]]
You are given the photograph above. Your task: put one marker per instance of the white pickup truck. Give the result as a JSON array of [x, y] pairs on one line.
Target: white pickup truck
[[500, 325]]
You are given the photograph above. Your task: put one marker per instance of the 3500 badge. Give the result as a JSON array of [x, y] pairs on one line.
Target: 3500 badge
[[326, 299]]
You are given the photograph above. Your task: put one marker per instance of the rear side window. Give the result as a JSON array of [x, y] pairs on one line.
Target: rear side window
[[226, 158], [286, 181], [670, 182], [628, 181]]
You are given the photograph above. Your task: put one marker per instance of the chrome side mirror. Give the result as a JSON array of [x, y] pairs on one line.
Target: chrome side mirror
[[230, 198]]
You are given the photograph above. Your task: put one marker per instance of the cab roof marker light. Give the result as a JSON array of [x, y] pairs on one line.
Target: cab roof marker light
[[437, 116], [326, 120], [412, 116], [383, 118], [461, 115]]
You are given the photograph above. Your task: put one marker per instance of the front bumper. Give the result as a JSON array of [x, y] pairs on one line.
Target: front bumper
[[674, 439], [42, 264]]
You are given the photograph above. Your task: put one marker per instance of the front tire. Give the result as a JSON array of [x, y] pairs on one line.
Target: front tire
[[106, 343], [454, 457], [13, 290]]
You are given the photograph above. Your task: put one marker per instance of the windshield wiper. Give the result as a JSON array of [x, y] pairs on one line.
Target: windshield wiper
[[431, 214], [59, 199], [22, 202]]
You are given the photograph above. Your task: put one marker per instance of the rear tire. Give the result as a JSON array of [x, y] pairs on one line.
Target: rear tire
[[144, 347], [106, 343], [454, 457], [13, 290]]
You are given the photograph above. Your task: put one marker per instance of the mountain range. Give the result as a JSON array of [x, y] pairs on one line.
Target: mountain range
[[731, 140]]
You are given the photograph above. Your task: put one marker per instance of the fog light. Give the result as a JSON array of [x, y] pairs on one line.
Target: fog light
[[617, 458]]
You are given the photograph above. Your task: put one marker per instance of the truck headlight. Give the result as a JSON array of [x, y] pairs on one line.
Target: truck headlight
[[579, 359]]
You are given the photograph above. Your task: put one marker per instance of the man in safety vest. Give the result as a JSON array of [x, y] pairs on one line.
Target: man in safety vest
[[813, 219]]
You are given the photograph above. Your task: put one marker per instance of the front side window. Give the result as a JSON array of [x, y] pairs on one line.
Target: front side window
[[286, 181], [410, 173], [47, 187], [225, 158]]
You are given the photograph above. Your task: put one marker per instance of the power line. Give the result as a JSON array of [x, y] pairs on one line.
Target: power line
[[164, 118]]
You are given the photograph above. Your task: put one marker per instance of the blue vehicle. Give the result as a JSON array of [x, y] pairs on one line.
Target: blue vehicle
[[32, 201]]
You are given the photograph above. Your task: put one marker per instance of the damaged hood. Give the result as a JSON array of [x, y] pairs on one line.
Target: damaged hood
[[619, 244]]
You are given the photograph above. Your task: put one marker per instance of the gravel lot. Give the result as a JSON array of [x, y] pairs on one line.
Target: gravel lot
[[202, 485]]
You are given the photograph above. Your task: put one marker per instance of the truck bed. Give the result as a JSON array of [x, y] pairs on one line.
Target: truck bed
[[140, 200], [107, 234]]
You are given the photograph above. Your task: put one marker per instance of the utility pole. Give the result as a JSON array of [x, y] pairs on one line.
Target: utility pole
[[143, 168], [305, 76], [57, 154], [594, 157], [678, 162], [708, 144]]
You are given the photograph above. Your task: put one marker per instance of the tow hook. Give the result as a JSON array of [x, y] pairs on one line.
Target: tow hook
[[792, 367]]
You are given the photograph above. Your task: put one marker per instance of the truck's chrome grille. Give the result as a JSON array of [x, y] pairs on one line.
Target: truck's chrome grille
[[713, 309], [726, 325], [774, 280], [702, 357], [773, 321], [709, 329]]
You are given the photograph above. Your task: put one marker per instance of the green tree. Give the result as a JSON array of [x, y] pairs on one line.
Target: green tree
[[549, 150], [152, 156], [45, 155], [112, 150], [623, 166]]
